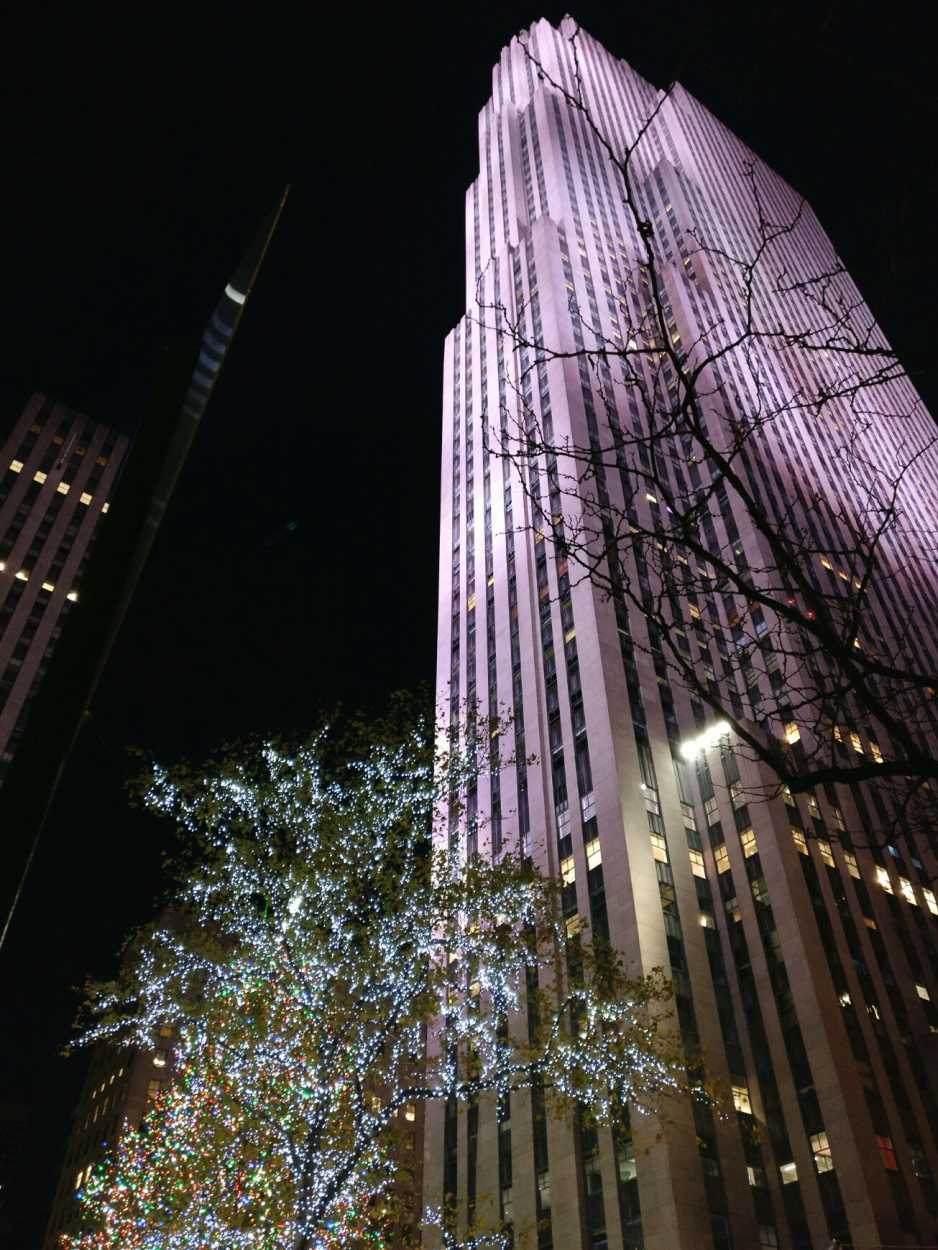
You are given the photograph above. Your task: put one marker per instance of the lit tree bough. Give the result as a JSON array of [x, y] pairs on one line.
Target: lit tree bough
[[320, 940]]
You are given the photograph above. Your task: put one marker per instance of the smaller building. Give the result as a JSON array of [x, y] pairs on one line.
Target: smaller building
[[117, 1091], [57, 472]]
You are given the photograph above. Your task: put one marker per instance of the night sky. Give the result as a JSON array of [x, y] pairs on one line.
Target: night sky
[[138, 153]]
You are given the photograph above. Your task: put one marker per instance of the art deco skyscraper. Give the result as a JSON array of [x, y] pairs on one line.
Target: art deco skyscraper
[[57, 469], [802, 949]]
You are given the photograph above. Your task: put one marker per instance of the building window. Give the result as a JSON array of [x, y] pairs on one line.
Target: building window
[[788, 1173], [822, 1152], [852, 866], [721, 857], [905, 889], [568, 870], [826, 853], [659, 848], [593, 854], [741, 1100], [697, 863], [748, 842], [16, 466], [767, 1235], [799, 840], [887, 1154], [922, 991], [882, 878], [931, 901], [792, 733]]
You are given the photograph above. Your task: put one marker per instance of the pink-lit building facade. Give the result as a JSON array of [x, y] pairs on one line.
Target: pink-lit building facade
[[804, 965], [57, 469]]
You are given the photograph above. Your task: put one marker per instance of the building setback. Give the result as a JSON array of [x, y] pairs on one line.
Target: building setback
[[57, 470], [803, 960]]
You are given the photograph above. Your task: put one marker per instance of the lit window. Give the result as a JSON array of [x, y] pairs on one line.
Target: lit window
[[826, 853], [822, 1152], [813, 807], [22, 576], [707, 921], [788, 797], [856, 743], [827, 564], [568, 870], [876, 752], [799, 840], [882, 878], [84, 497], [922, 991], [837, 817], [48, 586], [845, 1000], [756, 1177], [594, 856], [905, 889], [159, 1058], [788, 1172], [573, 926], [697, 863], [931, 901], [63, 488], [748, 842], [650, 497], [16, 466], [72, 596], [887, 1154], [105, 506], [39, 476], [471, 602], [410, 1112], [792, 733], [741, 1100], [659, 848], [721, 857], [852, 866]]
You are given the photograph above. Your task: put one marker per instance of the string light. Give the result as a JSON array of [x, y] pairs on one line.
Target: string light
[[318, 943]]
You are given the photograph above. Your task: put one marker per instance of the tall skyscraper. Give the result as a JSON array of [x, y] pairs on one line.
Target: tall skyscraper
[[802, 953], [57, 469]]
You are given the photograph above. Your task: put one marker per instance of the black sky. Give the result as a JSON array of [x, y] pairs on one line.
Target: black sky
[[139, 148]]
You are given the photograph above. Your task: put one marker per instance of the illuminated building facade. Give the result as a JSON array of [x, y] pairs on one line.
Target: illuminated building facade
[[803, 960], [57, 470]]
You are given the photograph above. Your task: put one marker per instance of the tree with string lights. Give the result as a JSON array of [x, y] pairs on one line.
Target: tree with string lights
[[318, 940]]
